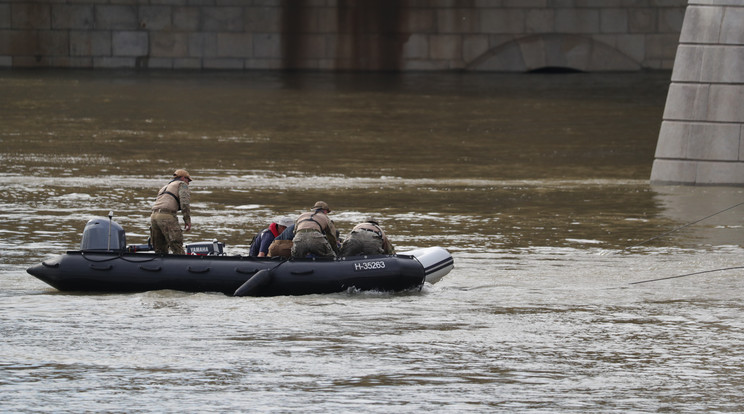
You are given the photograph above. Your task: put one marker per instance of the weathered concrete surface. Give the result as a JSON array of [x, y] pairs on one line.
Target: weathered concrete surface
[[700, 141], [399, 35]]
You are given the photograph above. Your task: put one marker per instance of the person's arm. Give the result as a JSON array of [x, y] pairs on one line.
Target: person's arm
[[184, 195], [263, 249], [331, 236], [387, 247]]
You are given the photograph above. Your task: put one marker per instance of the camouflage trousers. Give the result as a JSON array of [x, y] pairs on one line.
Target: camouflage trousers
[[166, 233], [360, 243], [311, 243]]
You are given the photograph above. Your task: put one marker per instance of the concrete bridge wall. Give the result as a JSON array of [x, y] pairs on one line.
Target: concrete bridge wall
[[429, 35], [702, 134]]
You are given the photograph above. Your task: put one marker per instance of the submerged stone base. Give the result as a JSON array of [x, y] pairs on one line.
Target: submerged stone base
[[700, 142]]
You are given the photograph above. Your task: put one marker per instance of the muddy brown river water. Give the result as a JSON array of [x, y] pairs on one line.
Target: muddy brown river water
[[537, 184]]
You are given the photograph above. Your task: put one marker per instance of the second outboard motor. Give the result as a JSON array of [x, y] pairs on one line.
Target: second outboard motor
[[103, 234]]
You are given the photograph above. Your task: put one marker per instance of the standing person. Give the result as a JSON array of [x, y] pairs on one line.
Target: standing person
[[315, 233], [165, 231], [366, 238], [262, 241]]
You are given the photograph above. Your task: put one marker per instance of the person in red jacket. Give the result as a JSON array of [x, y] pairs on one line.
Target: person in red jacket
[[262, 241]]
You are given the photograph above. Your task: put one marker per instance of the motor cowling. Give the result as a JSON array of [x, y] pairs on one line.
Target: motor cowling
[[103, 234], [206, 248]]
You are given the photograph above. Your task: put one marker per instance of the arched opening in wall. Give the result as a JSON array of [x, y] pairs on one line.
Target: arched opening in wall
[[536, 52]]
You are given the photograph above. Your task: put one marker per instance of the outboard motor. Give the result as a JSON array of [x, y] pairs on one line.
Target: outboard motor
[[213, 248], [103, 234]]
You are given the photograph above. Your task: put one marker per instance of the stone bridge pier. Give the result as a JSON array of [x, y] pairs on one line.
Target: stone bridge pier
[[700, 141]]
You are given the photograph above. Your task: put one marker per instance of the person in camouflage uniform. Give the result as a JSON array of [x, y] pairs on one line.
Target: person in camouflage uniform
[[315, 233], [366, 238], [165, 232]]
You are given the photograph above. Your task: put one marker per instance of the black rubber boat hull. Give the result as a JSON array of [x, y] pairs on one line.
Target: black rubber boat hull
[[114, 272]]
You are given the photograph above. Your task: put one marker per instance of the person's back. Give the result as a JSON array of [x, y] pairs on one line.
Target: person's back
[[315, 234], [366, 238], [287, 234], [256, 243]]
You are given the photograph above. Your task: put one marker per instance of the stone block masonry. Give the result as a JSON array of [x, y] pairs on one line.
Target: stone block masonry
[[702, 134], [380, 35]]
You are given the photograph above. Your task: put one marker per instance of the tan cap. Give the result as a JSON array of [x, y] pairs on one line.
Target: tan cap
[[321, 205], [181, 173]]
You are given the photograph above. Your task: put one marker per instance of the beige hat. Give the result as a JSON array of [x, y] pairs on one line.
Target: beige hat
[[321, 205], [181, 173]]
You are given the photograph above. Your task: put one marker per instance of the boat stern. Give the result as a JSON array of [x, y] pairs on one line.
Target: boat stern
[[437, 262]]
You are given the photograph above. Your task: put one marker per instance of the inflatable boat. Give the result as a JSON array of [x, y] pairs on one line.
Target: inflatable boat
[[105, 264]]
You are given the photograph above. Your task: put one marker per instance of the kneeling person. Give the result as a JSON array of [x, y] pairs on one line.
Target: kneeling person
[[282, 244], [366, 238], [262, 241], [315, 234]]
